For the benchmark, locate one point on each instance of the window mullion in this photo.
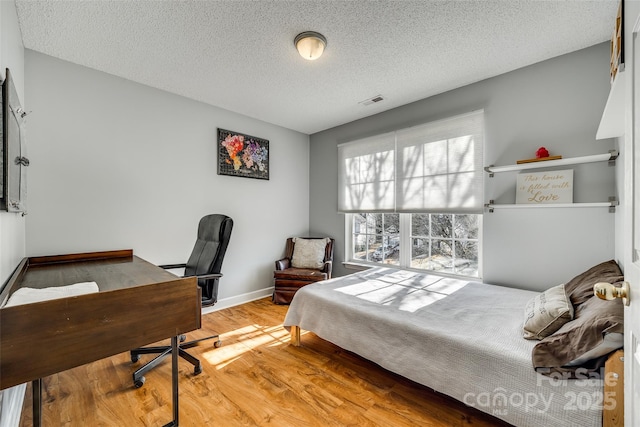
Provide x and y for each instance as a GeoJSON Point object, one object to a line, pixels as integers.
{"type": "Point", "coordinates": [453, 242]}
{"type": "Point", "coordinates": [348, 236]}
{"type": "Point", "coordinates": [405, 240]}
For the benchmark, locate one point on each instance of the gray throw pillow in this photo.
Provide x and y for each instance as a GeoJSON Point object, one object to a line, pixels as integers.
{"type": "Point", "coordinates": [546, 313]}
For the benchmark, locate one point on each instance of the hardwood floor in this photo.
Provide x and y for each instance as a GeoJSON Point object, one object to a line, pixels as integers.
{"type": "Point", "coordinates": [256, 378]}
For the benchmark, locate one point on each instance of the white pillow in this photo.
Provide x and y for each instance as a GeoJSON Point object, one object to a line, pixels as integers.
{"type": "Point", "coordinates": [308, 253]}
{"type": "Point", "coordinates": [546, 313]}
{"type": "Point", "coordinates": [31, 295]}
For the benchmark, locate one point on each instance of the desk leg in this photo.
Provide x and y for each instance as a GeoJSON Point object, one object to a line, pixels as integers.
{"type": "Point", "coordinates": [36, 389]}
{"type": "Point", "coordinates": [174, 381]}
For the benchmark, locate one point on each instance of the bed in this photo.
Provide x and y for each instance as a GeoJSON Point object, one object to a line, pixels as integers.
{"type": "Point", "coordinates": [461, 338]}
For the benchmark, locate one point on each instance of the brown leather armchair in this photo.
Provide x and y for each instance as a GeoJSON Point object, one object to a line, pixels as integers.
{"type": "Point", "coordinates": [289, 276]}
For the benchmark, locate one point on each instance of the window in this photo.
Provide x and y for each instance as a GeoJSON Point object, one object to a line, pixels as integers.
{"type": "Point", "coordinates": [376, 238]}
{"type": "Point", "coordinates": [444, 243]}
{"type": "Point", "coordinates": [414, 197]}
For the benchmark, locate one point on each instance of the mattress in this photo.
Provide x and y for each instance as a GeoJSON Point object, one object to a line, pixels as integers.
{"type": "Point", "coordinates": [461, 338]}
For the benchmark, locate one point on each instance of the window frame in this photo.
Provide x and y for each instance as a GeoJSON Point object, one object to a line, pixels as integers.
{"type": "Point", "coordinates": [405, 237]}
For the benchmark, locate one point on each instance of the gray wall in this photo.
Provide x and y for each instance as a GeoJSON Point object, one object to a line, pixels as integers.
{"type": "Point", "coordinates": [116, 164]}
{"type": "Point", "coordinates": [556, 103]}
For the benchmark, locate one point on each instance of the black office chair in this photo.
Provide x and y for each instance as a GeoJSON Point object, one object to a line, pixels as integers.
{"type": "Point", "coordinates": [205, 263]}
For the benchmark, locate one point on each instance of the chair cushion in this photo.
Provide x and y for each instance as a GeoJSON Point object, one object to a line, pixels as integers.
{"type": "Point", "coordinates": [308, 253]}
{"type": "Point", "coordinates": [300, 274]}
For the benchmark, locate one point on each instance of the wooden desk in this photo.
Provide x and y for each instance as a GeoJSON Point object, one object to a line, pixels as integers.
{"type": "Point", "coordinates": [138, 303]}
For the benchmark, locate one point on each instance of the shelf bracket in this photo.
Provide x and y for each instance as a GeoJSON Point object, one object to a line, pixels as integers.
{"type": "Point", "coordinates": [614, 202]}
{"type": "Point", "coordinates": [488, 170]}
{"type": "Point", "coordinates": [489, 206]}
{"type": "Point", "coordinates": [614, 156]}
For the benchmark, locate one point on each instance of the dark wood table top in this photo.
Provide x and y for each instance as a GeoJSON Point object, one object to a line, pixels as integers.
{"type": "Point", "coordinates": [138, 303]}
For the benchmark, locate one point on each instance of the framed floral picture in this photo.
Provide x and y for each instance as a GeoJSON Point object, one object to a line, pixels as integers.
{"type": "Point", "coordinates": [242, 155]}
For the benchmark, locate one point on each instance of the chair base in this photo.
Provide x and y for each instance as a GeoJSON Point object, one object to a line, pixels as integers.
{"type": "Point", "coordinates": [164, 351]}
{"type": "Point", "coordinates": [288, 282]}
{"type": "Point", "coordinates": [283, 295]}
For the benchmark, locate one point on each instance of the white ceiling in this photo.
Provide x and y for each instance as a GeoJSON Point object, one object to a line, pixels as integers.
{"type": "Point", "coordinates": [239, 55]}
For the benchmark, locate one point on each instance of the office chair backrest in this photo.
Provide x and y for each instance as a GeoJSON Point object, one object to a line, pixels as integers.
{"type": "Point", "coordinates": [214, 233]}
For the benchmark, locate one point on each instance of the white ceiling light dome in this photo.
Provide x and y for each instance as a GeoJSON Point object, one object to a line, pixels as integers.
{"type": "Point", "coordinates": [310, 45]}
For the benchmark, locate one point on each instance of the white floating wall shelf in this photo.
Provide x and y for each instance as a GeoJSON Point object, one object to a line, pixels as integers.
{"type": "Point", "coordinates": [611, 204]}
{"type": "Point", "coordinates": [611, 156]}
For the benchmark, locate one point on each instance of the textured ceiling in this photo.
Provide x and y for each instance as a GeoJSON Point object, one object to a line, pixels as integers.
{"type": "Point", "coordinates": [239, 55]}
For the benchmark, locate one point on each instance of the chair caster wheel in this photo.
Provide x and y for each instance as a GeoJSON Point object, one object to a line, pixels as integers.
{"type": "Point", "coordinates": [135, 358]}
{"type": "Point", "coordinates": [197, 370]}
{"type": "Point", "coordinates": [217, 344]}
{"type": "Point", "coordinates": [139, 383]}
{"type": "Point", "coordinates": [183, 338]}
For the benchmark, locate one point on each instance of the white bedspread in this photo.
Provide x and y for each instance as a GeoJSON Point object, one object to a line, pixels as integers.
{"type": "Point", "coordinates": [461, 338]}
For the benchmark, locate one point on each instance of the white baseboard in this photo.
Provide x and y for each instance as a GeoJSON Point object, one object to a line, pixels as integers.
{"type": "Point", "coordinates": [11, 405]}
{"type": "Point", "coordinates": [239, 299]}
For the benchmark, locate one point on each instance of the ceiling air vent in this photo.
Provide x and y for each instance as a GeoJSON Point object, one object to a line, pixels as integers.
{"type": "Point", "coordinates": [373, 100]}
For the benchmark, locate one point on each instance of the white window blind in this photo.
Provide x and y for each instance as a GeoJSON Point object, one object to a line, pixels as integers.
{"type": "Point", "coordinates": [434, 167]}
{"type": "Point", "coordinates": [439, 166]}
{"type": "Point", "coordinates": [366, 175]}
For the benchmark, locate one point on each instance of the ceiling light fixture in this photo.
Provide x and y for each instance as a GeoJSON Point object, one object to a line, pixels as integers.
{"type": "Point", "coordinates": [310, 44]}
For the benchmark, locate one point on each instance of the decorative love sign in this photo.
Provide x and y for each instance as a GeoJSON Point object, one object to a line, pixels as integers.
{"type": "Point", "coordinates": [545, 187]}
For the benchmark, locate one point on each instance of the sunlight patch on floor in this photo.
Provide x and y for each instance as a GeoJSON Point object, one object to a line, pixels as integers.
{"type": "Point", "coordinates": [240, 341]}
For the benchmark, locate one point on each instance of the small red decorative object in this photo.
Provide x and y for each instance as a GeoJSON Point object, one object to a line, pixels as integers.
{"type": "Point", "coordinates": [542, 152]}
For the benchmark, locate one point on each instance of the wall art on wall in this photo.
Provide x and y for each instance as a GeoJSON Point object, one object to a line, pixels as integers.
{"type": "Point", "coordinates": [617, 44]}
{"type": "Point", "coordinates": [545, 187]}
{"type": "Point", "coordinates": [242, 155]}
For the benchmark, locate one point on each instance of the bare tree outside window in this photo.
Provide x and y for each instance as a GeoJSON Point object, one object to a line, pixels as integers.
{"type": "Point", "coordinates": [446, 243]}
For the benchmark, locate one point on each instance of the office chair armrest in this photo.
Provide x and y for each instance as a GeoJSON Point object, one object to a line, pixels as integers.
{"type": "Point", "coordinates": [172, 266]}
{"type": "Point", "coordinates": [208, 276]}
{"type": "Point", "coordinates": [202, 276]}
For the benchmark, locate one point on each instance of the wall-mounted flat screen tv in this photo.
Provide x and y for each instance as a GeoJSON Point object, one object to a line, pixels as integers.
{"type": "Point", "coordinates": [13, 185]}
